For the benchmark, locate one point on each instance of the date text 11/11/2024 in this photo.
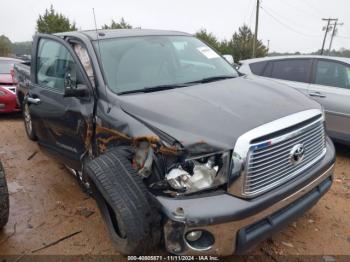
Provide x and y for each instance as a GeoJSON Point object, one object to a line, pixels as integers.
{"type": "Point", "coordinates": [173, 258]}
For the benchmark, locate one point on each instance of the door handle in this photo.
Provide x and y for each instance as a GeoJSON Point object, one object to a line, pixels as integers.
{"type": "Point", "coordinates": [32, 100]}
{"type": "Point", "coordinates": [317, 94]}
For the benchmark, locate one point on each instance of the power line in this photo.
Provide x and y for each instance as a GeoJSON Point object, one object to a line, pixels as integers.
{"type": "Point", "coordinates": [302, 10]}
{"type": "Point", "coordinates": [314, 8]}
{"type": "Point", "coordinates": [286, 25]}
{"type": "Point", "coordinates": [286, 21]}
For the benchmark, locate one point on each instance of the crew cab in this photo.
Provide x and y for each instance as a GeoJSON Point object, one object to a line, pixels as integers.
{"type": "Point", "coordinates": [173, 144]}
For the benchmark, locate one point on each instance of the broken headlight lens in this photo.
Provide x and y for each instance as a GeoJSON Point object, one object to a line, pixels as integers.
{"type": "Point", "coordinates": [199, 173]}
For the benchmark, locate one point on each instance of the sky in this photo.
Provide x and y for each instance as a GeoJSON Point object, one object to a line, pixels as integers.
{"type": "Point", "coordinates": [288, 25]}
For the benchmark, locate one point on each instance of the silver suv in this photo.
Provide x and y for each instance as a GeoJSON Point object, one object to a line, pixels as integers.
{"type": "Point", "coordinates": [325, 79]}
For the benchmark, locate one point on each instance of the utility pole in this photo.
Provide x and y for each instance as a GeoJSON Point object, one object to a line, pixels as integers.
{"type": "Point", "coordinates": [256, 27]}
{"type": "Point", "coordinates": [333, 34]}
{"type": "Point", "coordinates": [326, 31]}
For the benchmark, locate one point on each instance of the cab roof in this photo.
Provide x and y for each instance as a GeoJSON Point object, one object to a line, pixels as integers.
{"type": "Point", "coordinates": [114, 33]}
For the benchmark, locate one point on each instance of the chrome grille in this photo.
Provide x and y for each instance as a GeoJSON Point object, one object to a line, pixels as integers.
{"type": "Point", "coordinates": [269, 162]}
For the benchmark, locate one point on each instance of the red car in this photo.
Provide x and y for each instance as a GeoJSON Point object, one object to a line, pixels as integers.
{"type": "Point", "coordinates": [8, 101]}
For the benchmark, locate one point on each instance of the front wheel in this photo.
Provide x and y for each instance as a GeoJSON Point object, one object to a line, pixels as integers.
{"type": "Point", "coordinates": [28, 124]}
{"type": "Point", "coordinates": [133, 222]}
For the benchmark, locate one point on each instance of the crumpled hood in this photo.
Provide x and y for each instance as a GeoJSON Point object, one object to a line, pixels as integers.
{"type": "Point", "coordinates": [216, 114]}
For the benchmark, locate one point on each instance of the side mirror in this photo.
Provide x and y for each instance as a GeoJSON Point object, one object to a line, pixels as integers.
{"type": "Point", "coordinates": [79, 91]}
{"type": "Point", "coordinates": [73, 89]}
{"type": "Point", "coordinates": [229, 58]}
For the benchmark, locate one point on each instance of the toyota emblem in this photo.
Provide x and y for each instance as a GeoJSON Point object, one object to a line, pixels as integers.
{"type": "Point", "coordinates": [297, 154]}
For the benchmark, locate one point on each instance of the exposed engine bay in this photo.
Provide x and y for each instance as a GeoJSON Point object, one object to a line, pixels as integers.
{"type": "Point", "coordinates": [179, 174]}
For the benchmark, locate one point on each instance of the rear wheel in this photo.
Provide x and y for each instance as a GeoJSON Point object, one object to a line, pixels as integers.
{"type": "Point", "coordinates": [4, 198]}
{"type": "Point", "coordinates": [28, 124]}
{"type": "Point", "coordinates": [131, 218]}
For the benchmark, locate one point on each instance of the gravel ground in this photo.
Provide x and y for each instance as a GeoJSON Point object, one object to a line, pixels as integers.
{"type": "Point", "coordinates": [46, 204]}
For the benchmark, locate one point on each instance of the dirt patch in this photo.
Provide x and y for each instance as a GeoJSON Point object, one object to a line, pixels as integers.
{"type": "Point", "coordinates": [47, 205]}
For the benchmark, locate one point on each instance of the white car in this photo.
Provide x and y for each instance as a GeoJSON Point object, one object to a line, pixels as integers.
{"type": "Point", "coordinates": [326, 79]}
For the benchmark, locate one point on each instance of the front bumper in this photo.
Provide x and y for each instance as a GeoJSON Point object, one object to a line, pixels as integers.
{"type": "Point", "coordinates": [237, 224]}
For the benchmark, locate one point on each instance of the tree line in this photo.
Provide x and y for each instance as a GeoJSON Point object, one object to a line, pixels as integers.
{"type": "Point", "coordinates": [239, 45]}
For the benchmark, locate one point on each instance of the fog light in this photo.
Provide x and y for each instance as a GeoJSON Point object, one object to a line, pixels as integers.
{"type": "Point", "coordinates": [193, 235]}
{"type": "Point", "coordinates": [199, 239]}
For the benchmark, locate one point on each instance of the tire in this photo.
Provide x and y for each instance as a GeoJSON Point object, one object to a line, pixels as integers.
{"type": "Point", "coordinates": [28, 124]}
{"type": "Point", "coordinates": [4, 198]}
{"type": "Point", "coordinates": [133, 221]}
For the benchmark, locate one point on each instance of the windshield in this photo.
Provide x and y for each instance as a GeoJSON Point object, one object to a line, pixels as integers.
{"type": "Point", "coordinates": [136, 63]}
{"type": "Point", "coordinates": [6, 66]}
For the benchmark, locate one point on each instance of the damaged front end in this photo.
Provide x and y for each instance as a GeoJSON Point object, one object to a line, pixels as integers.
{"type": "Point", "coordinates": [166, 165]}
{"type": "Point", "coordinates": [171, 169]}
{"type": "Point", "coordinates": [176, 172]}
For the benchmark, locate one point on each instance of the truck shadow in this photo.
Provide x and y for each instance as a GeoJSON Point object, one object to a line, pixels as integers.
{"type": "Point", "coordinates": [342, 150]}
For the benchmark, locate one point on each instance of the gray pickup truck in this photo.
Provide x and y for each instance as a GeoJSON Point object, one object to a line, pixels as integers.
{"type": "Point", "coordinates": [175, 146]}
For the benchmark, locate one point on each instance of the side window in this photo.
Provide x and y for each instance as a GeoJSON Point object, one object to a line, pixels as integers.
{"type": "Point", "coordinates": [268, 69]}
{"type": "Point", "coordinates": [258, 67]}
{"type": "Point", "coordinates": [292, 69]}
{"type": "Point", "coordinates": [330, 73]}
{"type": "Point", "coordinates": [55, 65]}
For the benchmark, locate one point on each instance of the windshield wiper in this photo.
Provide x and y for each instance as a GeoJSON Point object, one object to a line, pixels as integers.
{"type": "Point", "coordinates": [154, 88]}
{"type": "Point", "coordinates": [211, 79]}
{"type": "Point", "coordinates": [172, 86]}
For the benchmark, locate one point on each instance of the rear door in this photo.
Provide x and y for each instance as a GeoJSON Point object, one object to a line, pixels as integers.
{"type": "Point", "coordinates": [62, 124]}
{"type": "Point", "coordinates": [294, 72]}
{"type": "Point", "coordinates": [331, 88]}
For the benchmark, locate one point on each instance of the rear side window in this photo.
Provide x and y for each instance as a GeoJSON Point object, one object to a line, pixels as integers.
{"type": "Point", "coordinates": [292, 69]}
{"type": "Point", "coordinates": [330, 73]}
{"type": "Point", "coordinates": [54, 65]}
{"type": "Point", "coordinates": [258, 67]}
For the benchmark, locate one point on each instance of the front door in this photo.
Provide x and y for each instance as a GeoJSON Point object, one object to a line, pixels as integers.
{"type": "Point", "coordinates": [331, 88]}
{"type": "Point", "coordinates": [61, 124]}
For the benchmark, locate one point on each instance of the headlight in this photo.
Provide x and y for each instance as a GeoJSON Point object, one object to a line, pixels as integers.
{"type": "Point", "coordinates": [237, 165]}
{"type": "Point", "coordinates": [2, 93]}
{"type": "Point", "coordinates": [199, 173]}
